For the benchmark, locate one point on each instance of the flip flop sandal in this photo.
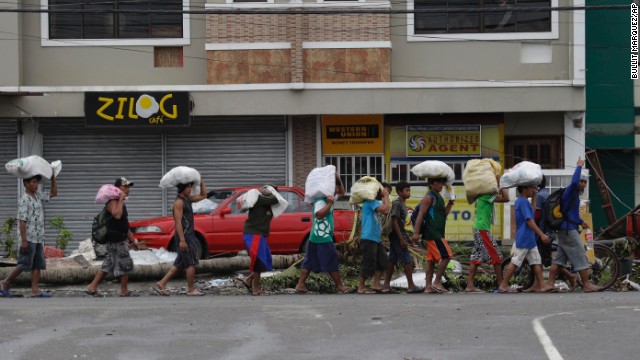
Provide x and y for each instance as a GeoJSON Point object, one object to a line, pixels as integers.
{"type": "Point", "coordinates": [415, 291]}
{"type": "Point", "coordinates": [91, 293]}
{"type": "Point", "coordinates": [128, 294]}
{"type": "Point", "coordinates": [160, 292]}
{"type": "Point", "coordinates": [247, 286]}
{"type": "Point", "coordinates": [348, 290]}
{"type": "Point", "coordinates": [42, 295]}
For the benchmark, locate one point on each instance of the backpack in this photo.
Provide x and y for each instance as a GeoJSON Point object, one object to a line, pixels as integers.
{"type": "Point", "coordinates": [100, 226]}
{"type": "Point", "coordinates": [553, 214]}
{"type": "Point", "coordinates": [414, 215]}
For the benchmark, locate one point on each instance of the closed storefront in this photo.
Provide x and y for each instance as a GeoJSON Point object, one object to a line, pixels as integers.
{"type": "Point", "coordinates": [227, 152]}
{"type": "Point", "coordinates": [8, 183]}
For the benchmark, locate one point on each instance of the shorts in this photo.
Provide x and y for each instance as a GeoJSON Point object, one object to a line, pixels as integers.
{"type": "Point", "coordinates": [485, 248]}
{"type": "Point", "coordinates": [438, 250]}
{"type": "Point", "coordinates": [397, 254]}
{"type": "Point", "coordinates": [187, 258]}
{"type": "Point", "coordinates": [531, 255]}
{"type": "Point", "coordinates": [118, 260]}
{"type": "Point", "coordinates": [374, 258]}
{"type": "Point", "coordinates": [32, 258]}
{"type": "Point", "coordinates": [571, 249]}
{"type": "Point", "coordinates": [259, 252]}
{"type": "Point", "coordinates": [321, 257]}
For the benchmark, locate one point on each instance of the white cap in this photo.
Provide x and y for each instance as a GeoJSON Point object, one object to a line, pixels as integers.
{"type": "Point", "coordinates": [584, 175]}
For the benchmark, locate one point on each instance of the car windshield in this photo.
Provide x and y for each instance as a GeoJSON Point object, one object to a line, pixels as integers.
{"type": "Point", "coordinates": [218, 196]}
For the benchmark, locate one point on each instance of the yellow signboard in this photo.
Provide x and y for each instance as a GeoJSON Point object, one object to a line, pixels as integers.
{"type": "Point", "coordinates": [443, 140]}
{"type": "Point", "coordinates": [352, 134]}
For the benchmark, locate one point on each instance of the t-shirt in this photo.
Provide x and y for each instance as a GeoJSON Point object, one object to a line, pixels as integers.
{"type": "Point", "coordinates": [31, 211]}
{"type": "Point", "coordinates": [371, 228]}
{"type": "Point", "coordinates": [322, 230]}
{"type": "Point", "coordinates": [484, 212]}
{"type": "Point", "coordinates": [259, 220]}
{"type": "Point", "coordinates": [525, 236]}
{"type": "Point", "coordinates": [398, 211]}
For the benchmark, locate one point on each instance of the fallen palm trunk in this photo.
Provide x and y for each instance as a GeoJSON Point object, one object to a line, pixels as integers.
{"type": "Point", "coordinates": [80, 275]}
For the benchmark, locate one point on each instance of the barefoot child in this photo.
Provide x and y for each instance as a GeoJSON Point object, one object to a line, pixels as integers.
{"type": "Point", "coordinates": [321, 255]}
{"type": "Point", "coordinates": [374, 258]}
{"type": "Point", "coordinates": [526, 248]}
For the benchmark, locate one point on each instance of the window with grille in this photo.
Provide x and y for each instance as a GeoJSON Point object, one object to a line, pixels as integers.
{"type": "Point", "coordinates": [351, 168]}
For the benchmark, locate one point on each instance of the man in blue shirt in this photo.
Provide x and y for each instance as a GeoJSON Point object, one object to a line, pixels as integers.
{"type": "Point", "coordinates": [526, 247]}
{"type": "Point", "coordinates": [374, 257]}
{"type": "Point", "coordinates": [570, 246]}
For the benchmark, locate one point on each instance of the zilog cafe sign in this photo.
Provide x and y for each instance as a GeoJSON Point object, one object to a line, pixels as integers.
{"type": "Point", "coordinates": [137, 109]}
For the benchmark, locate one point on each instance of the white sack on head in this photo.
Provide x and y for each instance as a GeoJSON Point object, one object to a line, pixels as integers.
{"type": "Point", "coordinates": [479, 178]}
{"type": "Point", "coordinates": [31, 166]}
{"type": "Point", "coordinates": [525, 173]}
{"type": "Point", "coordinates": [107, 192]}
{"type": "Point", "coordinates": [181, 175]}
{"type": "Point", "coordinates": [434, 169]}
{"type": "Point", "coordinates": [321, 182]}
{"type": "Point", "coordinates": [366, 188]}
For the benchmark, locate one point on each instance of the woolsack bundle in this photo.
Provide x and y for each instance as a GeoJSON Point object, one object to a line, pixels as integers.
{"type": "Point", "coordinates": [366, 188]}
{"type": "Point", "coordinates": [107, 192]}
{"type": "Point", "coordinates": [479, 178]}
{"type": "Point", "coordinates": [181, 175]}
{"type": "Point", "coordinates": [434, 169]}
{"type": "Point", "coordinates": [525, 173]}
{"type": "Point", "coordinates": [31, 166]}
{"type": "Point", "coordinates": [320, 182]}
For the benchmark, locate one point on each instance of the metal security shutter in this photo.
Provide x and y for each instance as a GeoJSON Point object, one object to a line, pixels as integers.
{"type": "Point", "coordinates": [8, 183]}
{"type": "Point", "coordinates": [94, 157]}
{"type": "Point", "coordinates": [231, 151]}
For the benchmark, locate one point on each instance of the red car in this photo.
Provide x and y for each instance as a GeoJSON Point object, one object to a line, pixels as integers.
{"type": "Point", "coordinates": [220, 223]}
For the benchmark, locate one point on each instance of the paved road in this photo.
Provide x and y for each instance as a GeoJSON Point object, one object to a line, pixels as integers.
{"type": "Point", "coordinates": [456, 326]}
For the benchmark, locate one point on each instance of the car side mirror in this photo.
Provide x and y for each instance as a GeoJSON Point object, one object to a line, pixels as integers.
{"type": "Point", "coordinates": [225, 211]}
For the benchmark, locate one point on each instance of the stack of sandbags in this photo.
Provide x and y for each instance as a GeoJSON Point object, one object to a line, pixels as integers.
{"type": "Point", "coordinates": [366, 188]}
{"type": "Point", "coordinates": [181, 175]}
{"type": "Point", "coordinates": [107, 192]}
{"type": "Point", "coordinates": [479, 178]}
{"type": "Point", "coordinates": [321, 182]}
{"type": "Point", "coordinates": [434, 169]}
{"type": "Point", "coordinates": [525, 173]}
{"type": "Point", "coordinates": [33, 165]}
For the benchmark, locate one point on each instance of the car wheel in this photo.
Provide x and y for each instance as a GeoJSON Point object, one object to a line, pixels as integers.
{"type": "Point", "coordinates": [202, 247]}
{"type": "Point", "coordinates": [304, 245]}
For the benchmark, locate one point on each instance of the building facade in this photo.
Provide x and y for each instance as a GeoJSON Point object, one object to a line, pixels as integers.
{"type": "Point", "coordinates": [262, 92]}
{"type": "Point", "coordinates": [612, 109]}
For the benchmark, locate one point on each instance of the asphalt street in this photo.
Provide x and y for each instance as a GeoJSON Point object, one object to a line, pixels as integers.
{"type": "Point", "coordinates": [454, 326]}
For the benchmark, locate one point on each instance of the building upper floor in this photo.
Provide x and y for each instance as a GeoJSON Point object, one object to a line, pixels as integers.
{"type": "Point", "coordinates": [249, 44]}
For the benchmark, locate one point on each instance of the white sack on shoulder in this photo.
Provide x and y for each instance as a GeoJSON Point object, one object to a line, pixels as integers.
{"type": "Point", "coordinates": [31, 166]}
{"type": "Point", "coordinates": [434, 169]}
{"type": "Point", "coordinates": [107, 192]}
{"type": "Point", "coordinates": [366, 188]}
{"type": "Point", "coordinates": [525, 173]}
{"type": "Point", "coordinates": [479, 178]}
{"type": "Point", "coordinates": [247, 200]}
{"type": "Point", "coordinates": [181, 175]}
{"type": "Point", "coordinates": [321, 182]}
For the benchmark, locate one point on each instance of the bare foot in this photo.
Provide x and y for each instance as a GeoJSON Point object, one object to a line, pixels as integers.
{"type": "Point", "coordinates": [195, 292]}
{"type": "Point", "coordinates": [430, 290]}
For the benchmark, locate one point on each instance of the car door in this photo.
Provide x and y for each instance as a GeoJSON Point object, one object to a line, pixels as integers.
{"type": "Point", "coordinates": [227, 228]}
{"type": "Point", "coordinates": [289, 230]}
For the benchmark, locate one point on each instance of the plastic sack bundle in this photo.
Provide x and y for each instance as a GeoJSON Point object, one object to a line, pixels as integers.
{"type": "Point", "coordinates": [204, 206]}
{"type": "Point", "coordinates": [181, 175]}
{"type": "Point", "coordinates": [366, 188]}
{"type": "Point", "coordinates": [247, 200]}
{"type": "Point", "coordinates": [31, 166]}
{"type": "Point", "coordinates": [479, 178]}
{"type": "Point", "coordinates": [320, 182]}
{"type": "Point", "coordinates": [434, 169]}
{"type": "Point", "coordinates": [525, 173]}
{"type": "Point", "coordinates": [107, 192]}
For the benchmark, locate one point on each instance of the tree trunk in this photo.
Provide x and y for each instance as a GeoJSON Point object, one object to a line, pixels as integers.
{"type": "Point", "coordinates": [81, 275]}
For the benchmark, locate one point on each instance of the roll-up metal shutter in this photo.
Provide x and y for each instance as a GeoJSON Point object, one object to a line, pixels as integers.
{"type": "Point", "coordinates": [94, 157]}
{"type": "Point", "coordinates": [231, 151]}
{"type": "Point", "coordinates": [8, 182]}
